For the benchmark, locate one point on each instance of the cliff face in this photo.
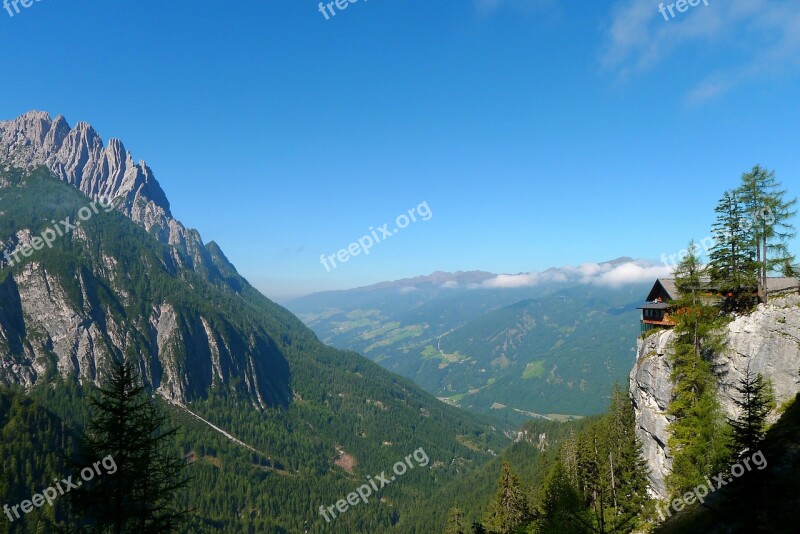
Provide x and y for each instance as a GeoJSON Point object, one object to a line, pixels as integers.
{"type": "Point", "coordinates": [768, 340]}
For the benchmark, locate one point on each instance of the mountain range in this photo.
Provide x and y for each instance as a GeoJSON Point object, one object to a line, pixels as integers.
{"type": "Point", "coordinates": [516, 346]}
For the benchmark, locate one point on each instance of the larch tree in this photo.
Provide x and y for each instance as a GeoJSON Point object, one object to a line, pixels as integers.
{"type": "Point", "coordinates": [769, 225]}
{"type": "Point", "coordinates": [699, 436]}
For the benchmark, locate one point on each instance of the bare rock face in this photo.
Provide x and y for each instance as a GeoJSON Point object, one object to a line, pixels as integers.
{"type": "Point", "coordinates": [52, 323]}
{"type": "Point", "coordinates": [768, 341]}
{"type": "Point", "coordinates": [79, 157]}
{"type": "Point", "coordinates": [651, 390]}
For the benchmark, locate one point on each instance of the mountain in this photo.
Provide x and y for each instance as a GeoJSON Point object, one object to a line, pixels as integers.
{"type": "Point", "coordinates": [274, 422]}
{"type": "Point", "coordinates": [509, 345]}
{"type": "Point", "coordinates": [558, 354]}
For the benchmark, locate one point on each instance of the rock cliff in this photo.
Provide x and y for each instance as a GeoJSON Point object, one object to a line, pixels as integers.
{"type": "Point", "coordinates": [768, 340]}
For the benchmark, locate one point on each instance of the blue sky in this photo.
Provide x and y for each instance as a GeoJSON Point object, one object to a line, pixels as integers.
{"type": "Point", "coordinates": [539, 133]}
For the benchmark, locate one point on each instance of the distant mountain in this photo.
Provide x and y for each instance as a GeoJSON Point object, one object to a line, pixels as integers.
{"type": "Point", "coordinates": [513, 345]}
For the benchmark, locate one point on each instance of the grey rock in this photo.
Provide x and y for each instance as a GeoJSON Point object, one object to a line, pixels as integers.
{"type": "Point", "coordinates": [79, 157]}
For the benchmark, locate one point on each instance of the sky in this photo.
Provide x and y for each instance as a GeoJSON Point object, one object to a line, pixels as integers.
{"type": "Point", "coordinates": [529, 133]}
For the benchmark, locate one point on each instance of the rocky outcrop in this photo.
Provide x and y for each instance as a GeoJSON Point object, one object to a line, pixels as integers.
{"type": "Point", "coordinates": [181, 353]}
{"type": "Point", "coordinates": [79, 157]}
{"type": "Point", "coordinates": [768, 341]}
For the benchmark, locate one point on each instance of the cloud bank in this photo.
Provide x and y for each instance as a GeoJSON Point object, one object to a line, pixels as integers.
{"type": "Point", "coordinates": [601, 274]}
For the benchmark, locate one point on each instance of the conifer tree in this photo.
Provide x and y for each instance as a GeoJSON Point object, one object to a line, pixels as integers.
{"type": "Point", "coordinates": [731, 264]}
{"type": "Point", "coordinates": [510, 508]}
{"type": "Point", "coordinates": [763, 200]}
{"type": "Point", "coordinates": [455, 522]}
{"type": "Point", "coordinates": [756, 400]}
{"type": "Point", "coordinates": [699, 436]}
{"type": "Point", "coordinates": [627, 464]}
{"type": "Point", "coordinates": [560, 504]}
{"type": "Point", "coordinates": [127, 427]}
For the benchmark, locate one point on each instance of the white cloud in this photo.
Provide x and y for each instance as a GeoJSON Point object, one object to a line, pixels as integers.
{"type": "Point", "coordinates": [758, 38]}
{"type": "Point", "coordinates": [601, 274]}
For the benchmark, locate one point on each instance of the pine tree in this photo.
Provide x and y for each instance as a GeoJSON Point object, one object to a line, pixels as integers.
{"type": "Point", "coordinates": [455, 522]}
{"type": "Point", "coordinates": [128, 428]}
{"type": "Point", "coordinates": [770, 229]}
{"type": "Point", "coordinates": [731, 265]}
{"type": "Point", "coordinates": [510, 508]}
{"type": "Point", "coordinates": [755, 403]}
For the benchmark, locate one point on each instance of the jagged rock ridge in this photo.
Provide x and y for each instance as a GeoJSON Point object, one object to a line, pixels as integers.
{"type": "Point", "coordinates": [79, 157]}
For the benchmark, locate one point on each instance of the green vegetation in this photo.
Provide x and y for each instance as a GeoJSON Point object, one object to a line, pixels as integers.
{"type": "Point", "coordinates": [35, 447]}
{"type": "Point", "coordinates": [699, 437]}
{"type": "Point", "coordinates": [583, 491]}
{"type": "Point", "coordinates": [751, 234]}
{"type": "Point", "coordinates": [465, 339]}
{"type": "Point", "coordinates": [731, 264]}
{"type": "Point", "coordinates": [533, 370]}
{"type": "Point", "coordinates": [318, 402]}
{"type": "Point", "coordinates": [756, 401]}
{"type": "Point", "coordinates": [510, 507]}
{"type": "Point", "coordinates": [314, 401]}
{"type": "Point", "coordinates": [129, 432]}
{"type": "Point", "coordinates": [751, 229]}
{"type": "Point", "coordinates": [595, 481]}
{"type": "Point", "coordinates": [765, 500]}
{"type": "Point", "coordinates": [763, 198]}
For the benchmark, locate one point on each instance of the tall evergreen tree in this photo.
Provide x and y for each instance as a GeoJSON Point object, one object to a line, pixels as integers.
{"type": "Point", "coordinates": [696, 316]}
{"type": "Point", "coordinates": [756, 400]}
{"type": "Point", "coordinates": [598, 483]}
{"type": "Point", "coordinates": [510, 507]}
{"type": "Point", "coordinates": [698, 434]}
{"type": "Point", "coordinates": [731, 265]}
{"type": "Point", "coordinates": [455, 522]}
{"type": "Point", "coordinates": [560, 505]}
{"type": "Point", "coordinates": [127, 427]}
{"type": "Point", "coordinates": [627, 464]}
{"type": "Point", "coordinates": [770, 230]}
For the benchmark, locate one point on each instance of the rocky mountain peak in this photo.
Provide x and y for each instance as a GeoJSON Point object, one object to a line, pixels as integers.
{"type": "Point", "coordinates": [79, 157]}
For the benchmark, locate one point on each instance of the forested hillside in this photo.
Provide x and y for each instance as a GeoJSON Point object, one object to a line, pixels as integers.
{"type": "Point", "coordinates": [321, 419]}
{"type": "Point", "coordinates": [555, 348]}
